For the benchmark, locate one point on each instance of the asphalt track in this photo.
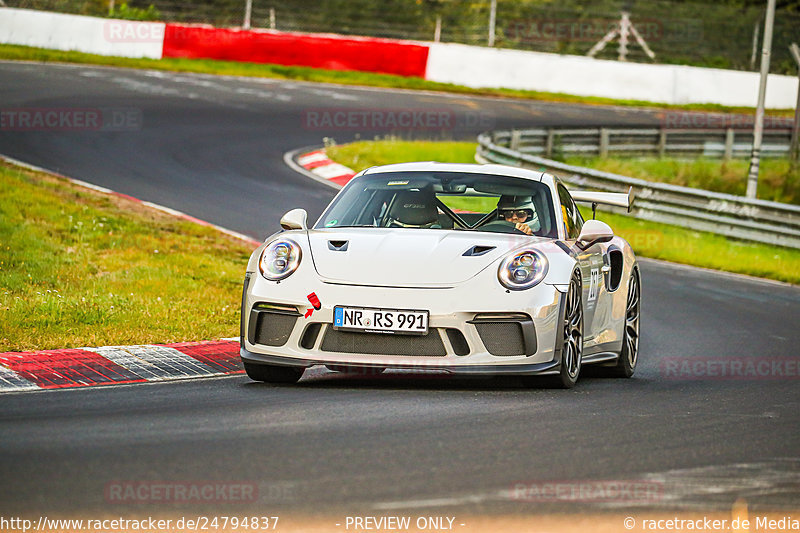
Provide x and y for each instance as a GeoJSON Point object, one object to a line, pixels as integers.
{"type": "Point", "coordinates": [213, 148]}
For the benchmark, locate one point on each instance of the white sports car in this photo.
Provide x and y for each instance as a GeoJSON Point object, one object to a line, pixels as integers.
{"type": "Point", "coordinates": [465, 269]}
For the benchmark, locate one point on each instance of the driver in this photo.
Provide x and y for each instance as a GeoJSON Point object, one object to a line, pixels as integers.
{"type": "Point", "coordinates": [519, 211]}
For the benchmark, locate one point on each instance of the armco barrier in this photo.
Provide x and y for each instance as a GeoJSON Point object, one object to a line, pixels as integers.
{"type": "Point", "coordinates": [723, 214]}
{"type": "Point", "coordinates": [321, 51]}
{"type": "Point", "coordinates": [726, 143]}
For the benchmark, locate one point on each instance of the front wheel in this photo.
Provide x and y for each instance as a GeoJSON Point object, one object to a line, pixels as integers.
{"type": "Point", "coordinates": [629, 355]}
{"type": "Point", "coordinates": [272, 373]}
{"type": "Point", "coordinates": [571, 335]}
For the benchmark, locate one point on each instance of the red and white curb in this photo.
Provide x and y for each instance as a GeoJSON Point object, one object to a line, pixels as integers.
{"type": "Point", "coordinates": [318, 163]}
{"type": "Point", "coordinates": [117, 365]}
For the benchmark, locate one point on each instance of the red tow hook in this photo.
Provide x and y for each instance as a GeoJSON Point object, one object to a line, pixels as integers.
{"type": "Point", "coordinates": [314, 302]}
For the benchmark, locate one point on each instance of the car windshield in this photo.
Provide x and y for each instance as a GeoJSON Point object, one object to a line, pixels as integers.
{"type": "Point", "coordinates": [443, 200]}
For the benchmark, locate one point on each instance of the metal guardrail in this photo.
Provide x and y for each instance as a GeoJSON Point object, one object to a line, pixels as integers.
{"type": "Point", "coordinates": [724, 214]}
{"type": "Point", "coordinates": [726, 143]}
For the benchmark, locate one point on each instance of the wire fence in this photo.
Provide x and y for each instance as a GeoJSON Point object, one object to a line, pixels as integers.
{"type": "Point", "coordinates": [704, 34]}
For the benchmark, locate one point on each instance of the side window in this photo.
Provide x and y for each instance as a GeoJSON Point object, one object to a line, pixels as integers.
{"type": "Point", "coordinates": [573, 221]}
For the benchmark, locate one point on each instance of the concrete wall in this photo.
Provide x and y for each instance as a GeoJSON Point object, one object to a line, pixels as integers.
{"type": "Point", "coordinates": [83, 34]}
{"type": "Point", "coordinates": [476, 66]}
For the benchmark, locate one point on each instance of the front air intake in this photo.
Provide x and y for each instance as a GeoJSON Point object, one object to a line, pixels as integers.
{"type": "Point", "coordinates": [506, 334]}
{"type": "Point", "coordinates": [383, 343]}
{"type": "Point", "coordinates": [271, 325]}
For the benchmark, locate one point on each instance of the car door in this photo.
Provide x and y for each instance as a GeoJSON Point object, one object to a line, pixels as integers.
{"type": "Point", "coordinates": [591, 265]}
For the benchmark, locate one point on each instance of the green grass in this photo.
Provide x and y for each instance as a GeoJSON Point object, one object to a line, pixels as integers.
{"type": "Point", "coordinates": [777, 181]}
{"type": "Point", "coordinates": [80, 268]}
{"type": "Point", "coordinates": [234, 68]}
{"type": "Point", "coordinates": [649, 239]}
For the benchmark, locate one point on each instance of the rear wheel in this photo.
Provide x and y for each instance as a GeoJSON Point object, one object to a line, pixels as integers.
{"type": "Point", "coordinates": [571, 339]}
{"type": "Point", "coordinates": [272, 373]}
{"type": "Point", "coordinates": [628, 357]}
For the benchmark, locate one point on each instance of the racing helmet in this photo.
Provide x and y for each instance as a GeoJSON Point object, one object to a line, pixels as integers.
{"type": "Point", "coordinates": [515, 203]}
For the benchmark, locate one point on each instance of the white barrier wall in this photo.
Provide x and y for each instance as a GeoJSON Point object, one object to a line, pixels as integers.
{"type": "Point", "coordinates": [92, 35]}
{"type": "Point", "coordinates": [473, 66]}
{"type": "Point", "coordinates": [478, 67]}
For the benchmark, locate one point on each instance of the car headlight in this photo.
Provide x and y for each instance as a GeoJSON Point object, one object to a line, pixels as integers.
{"type": "Point", "coordinates": [522, 270]}
{"type": "Point", "coordinates": [280, 259]}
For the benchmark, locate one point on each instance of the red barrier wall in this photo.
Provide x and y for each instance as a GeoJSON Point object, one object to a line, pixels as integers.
{"type": "Point", "coordinates": [311, 50]}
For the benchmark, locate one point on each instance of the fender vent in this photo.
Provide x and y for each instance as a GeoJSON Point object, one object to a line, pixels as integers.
{"type": "Point", "coordinates": [478, 250]}
{"type": "Point", "coordinates": [615, 276]}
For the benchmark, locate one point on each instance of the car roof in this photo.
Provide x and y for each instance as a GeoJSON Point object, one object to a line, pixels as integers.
{"type": "Point", "coordinates": [433, 166]}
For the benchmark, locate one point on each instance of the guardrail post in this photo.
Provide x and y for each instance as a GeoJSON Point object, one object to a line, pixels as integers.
{"type": "Point", "coordinates": [662, 142]}
{"type": "Point", "coordinates": [515, 138]}
{"type": "Point", "coordinates": [728, 144]}
{"type": "Point", "coordinates": [548, 147]}
{"type": "Point", "coordinates": [603, 142]}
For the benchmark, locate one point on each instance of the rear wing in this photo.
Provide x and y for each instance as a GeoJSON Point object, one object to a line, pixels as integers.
{"type": "Point", "coordinates": [619, 199]}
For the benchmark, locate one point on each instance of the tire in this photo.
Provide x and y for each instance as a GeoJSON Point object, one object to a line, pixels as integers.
{"type": "Point", "coordinates": [571, 335]}
{"type": "Point", "coordinates": [272, 373]}
{"type": "Point", "coordinates": [629, 355]}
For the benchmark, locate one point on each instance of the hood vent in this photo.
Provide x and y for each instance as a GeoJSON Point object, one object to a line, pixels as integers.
{"type": "Point", "coordinates": [478, 250]}
{"type": "Point", "coordinates": [338, 246]}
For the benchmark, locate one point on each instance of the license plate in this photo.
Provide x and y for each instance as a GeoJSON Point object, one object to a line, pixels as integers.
{"type": "Point", "coordinates": [381, 320]}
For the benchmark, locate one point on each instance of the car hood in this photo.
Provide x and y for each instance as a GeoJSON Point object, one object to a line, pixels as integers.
{"type": "Point", "coordinates": [407, 257]}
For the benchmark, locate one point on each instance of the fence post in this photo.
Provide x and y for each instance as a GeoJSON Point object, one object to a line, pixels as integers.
{"type": "Point", "coordinates": [548, 147]}
{"type": "Point", "coordinates": [603, 148]}
{"type": "Point", "coordinates": [515, 137]}
{"type": "Point", "coordinates": [492, 21]}
{"type": "Point", "coordinates": [662, 142]}
{"type": "Point", "coordinates": [272, 24]}
{"type": "Point", "coordinates": [794, 146]}
{"type": "Point", "coordinates": [248, 9]}
{"type": "Point", "coordinates": [437, 33]}
{"type": "Point", "coordinates": [729, 134]}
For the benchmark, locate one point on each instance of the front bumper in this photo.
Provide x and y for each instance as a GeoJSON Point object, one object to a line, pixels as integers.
{"type": "Point", "coordinates": [458, 342]}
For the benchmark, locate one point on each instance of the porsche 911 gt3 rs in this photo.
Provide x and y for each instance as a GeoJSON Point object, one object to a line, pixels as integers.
{"type": "Point", "coordinates": [464, 269]}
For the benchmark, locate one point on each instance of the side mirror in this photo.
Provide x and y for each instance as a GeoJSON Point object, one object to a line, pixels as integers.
{"type": "Point", "coordinates": [295, 219]}
{"type": "Point", "coordinates": [595, 231]}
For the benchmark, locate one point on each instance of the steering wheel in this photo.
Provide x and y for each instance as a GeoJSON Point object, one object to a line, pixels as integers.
{"type": "Point", "coordinates": [501, 226]}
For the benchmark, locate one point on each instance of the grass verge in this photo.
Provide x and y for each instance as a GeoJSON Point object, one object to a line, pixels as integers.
{"type": "Point", "coordinates": [81, 268]}
{"type": "Point", "coordinates": [234, 68]}
{"type": "Point", "coordinates": [649, 239]}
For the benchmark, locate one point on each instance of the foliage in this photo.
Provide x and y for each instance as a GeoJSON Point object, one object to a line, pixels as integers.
{"type": "Point", "coordinates": [124, 11]}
